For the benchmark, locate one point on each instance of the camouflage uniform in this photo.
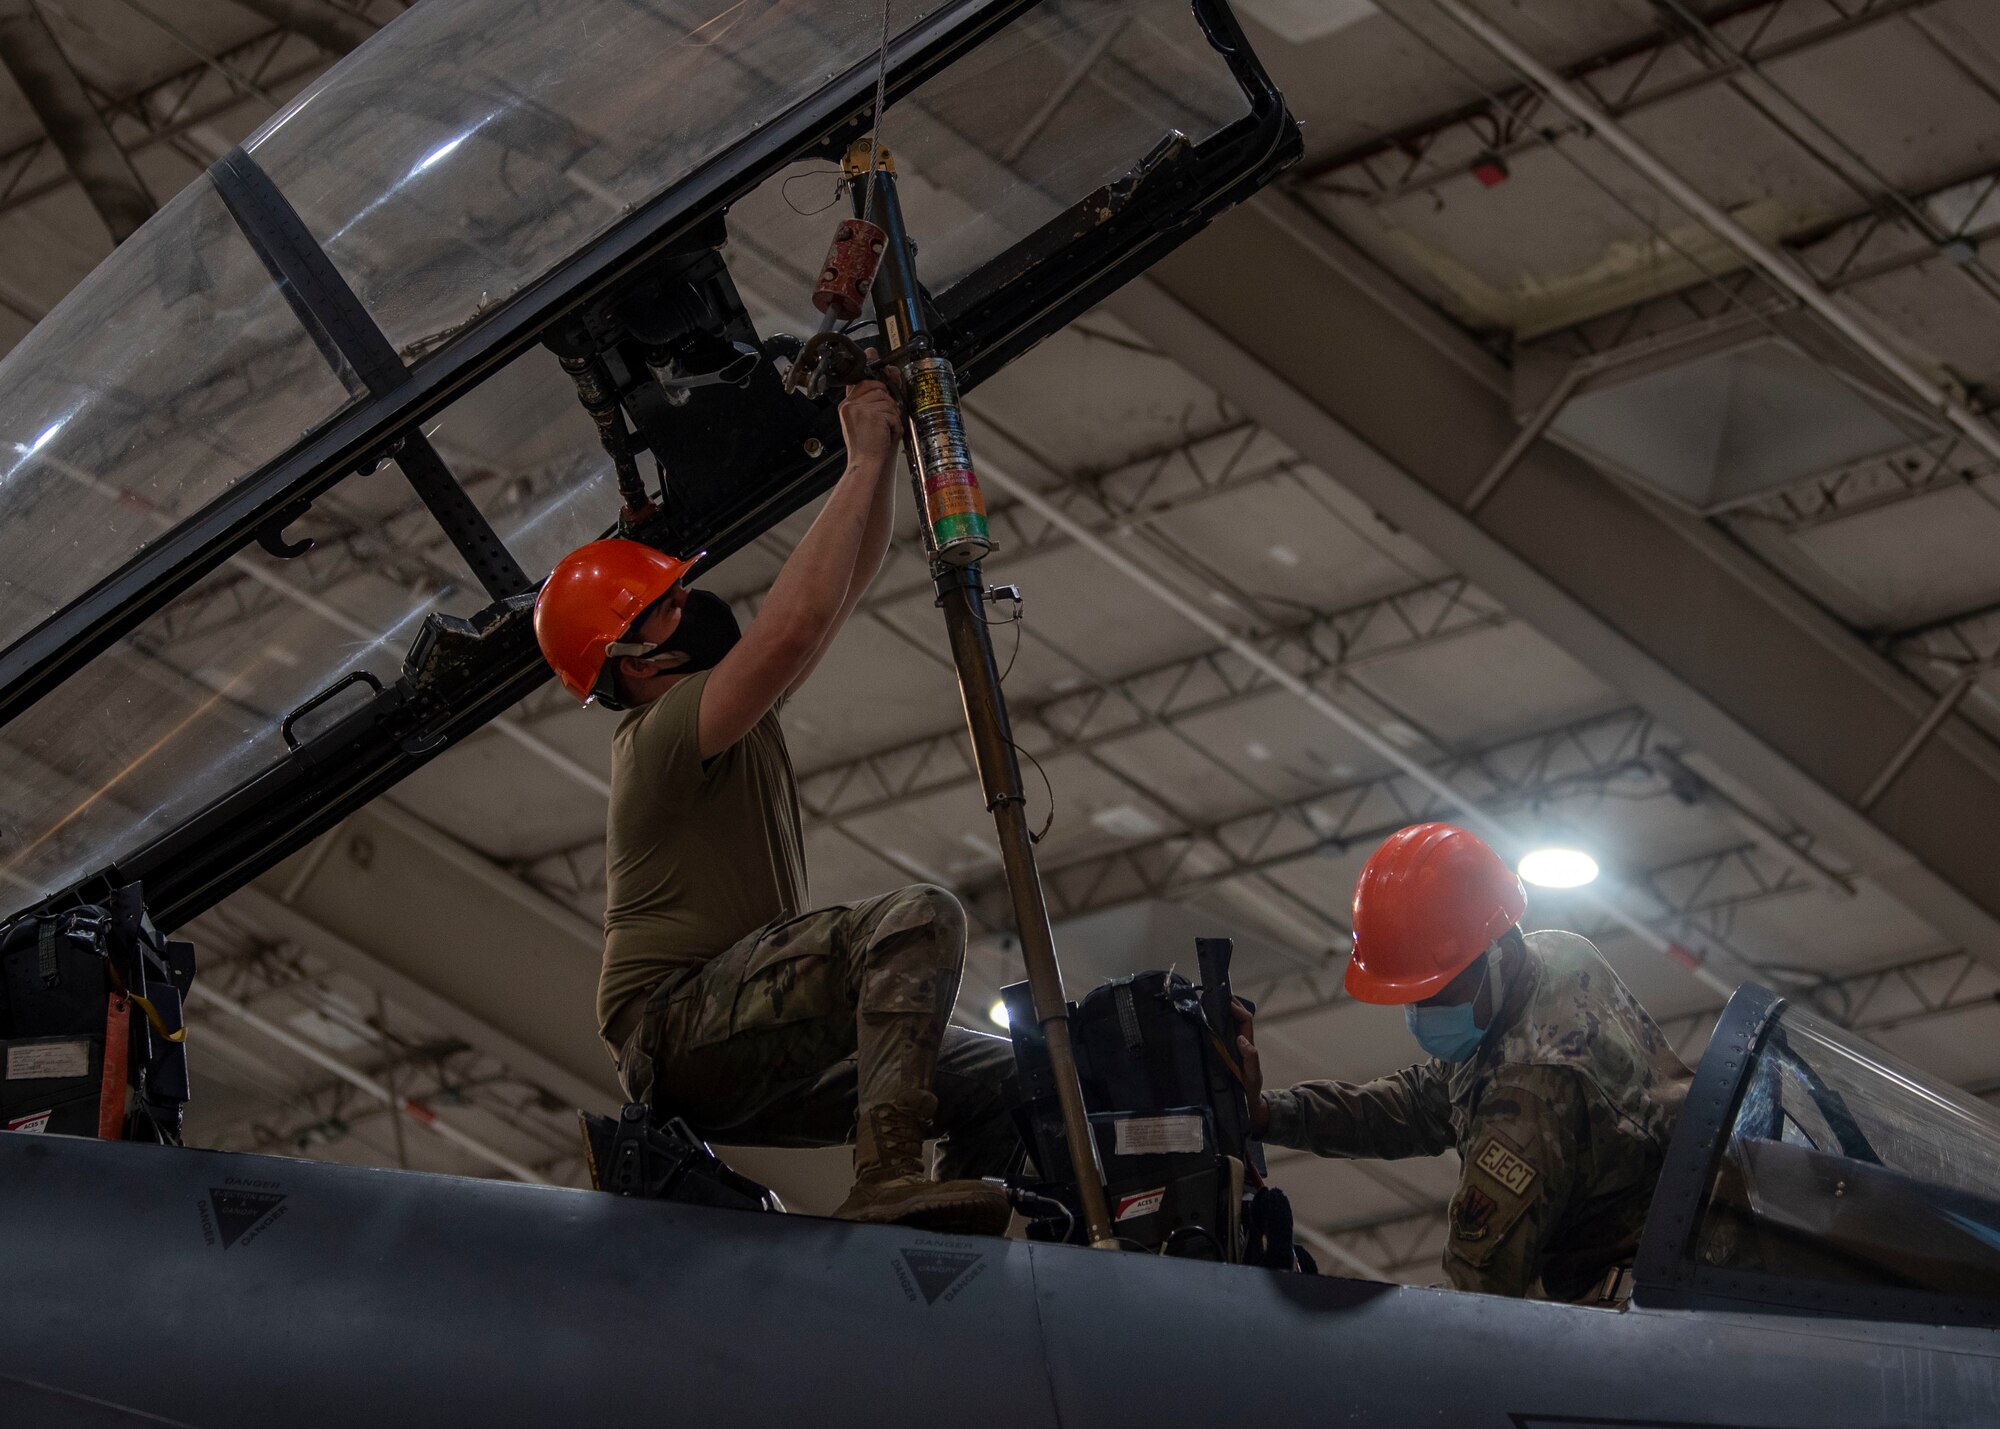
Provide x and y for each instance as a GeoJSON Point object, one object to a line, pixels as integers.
{"type": "Point", "coordinates": [778, 1040]}
{"type": "Point", "coordinates": [1560, 1119]}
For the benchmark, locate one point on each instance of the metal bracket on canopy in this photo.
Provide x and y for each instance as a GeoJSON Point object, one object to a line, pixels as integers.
{"type": "Point", "coordinates": [357, 350]}
{"type": "Point", "coordinates": [271, 535]}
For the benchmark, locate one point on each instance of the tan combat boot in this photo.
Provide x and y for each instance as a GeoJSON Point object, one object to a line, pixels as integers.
{"type": "Point", "coordinates": [890, 1186]}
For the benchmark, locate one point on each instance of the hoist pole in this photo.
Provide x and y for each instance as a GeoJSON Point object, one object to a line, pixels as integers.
{"type": "Point", "coordinates": [953, 516]}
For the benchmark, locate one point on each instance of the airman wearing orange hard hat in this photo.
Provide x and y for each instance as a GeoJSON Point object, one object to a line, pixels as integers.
{"type": "Point", "coordinates": [1555, 1088]}
{"type": "Point", "coordinates": [725, 997]}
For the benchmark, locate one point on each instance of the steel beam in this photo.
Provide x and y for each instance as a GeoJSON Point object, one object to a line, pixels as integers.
{"type": "Point", "coordinates": [422, 1070]}
{"type": "Point", "coordinates": [331, 28]}
{"type": "Point", "coordinates": [1956, 642]}
{"type": "Point", "coordinates": [460, 942]}
{"type": "Point", "coordinates": [164, 110]}
{"type": "Point", "coordinates": [1145, 488]}
{"type": "Point", "coordinates": [368, 1085]}
{"type": "Point", "coordinates": [426, 979]}
{"type": "Point", "coordinates": [1944, 465]}
{"type": "Point", "coordinates": [1583, 755]}
{"type": "Point", "coordinates": [1860, 332]}
{"type": "Point", "coordinates": [1769, 688]}
{"type": "Point", "coordinates": [1327, 646]}
{"type": "Point", "coordinates": [1624, 80]}
{"type": "Point", "coordinates": [1841, 255]}
{"type": "Point", "coordinates": [56, 95]}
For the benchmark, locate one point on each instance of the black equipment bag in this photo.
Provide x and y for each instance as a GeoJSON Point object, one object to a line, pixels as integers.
{"type": "Point", "coordinates": [1156, 1057]}
{"type": "Point", "coordinates": [53, 1009]}
{"type": "Point", "coordinates": [79, 984]}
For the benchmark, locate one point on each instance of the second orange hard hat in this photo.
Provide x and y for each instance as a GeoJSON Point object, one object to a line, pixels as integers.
{"type": "Point", "coordinates": [1431, 899]}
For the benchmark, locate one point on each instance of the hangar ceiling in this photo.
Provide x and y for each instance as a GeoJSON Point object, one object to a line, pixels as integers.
{"type": "Point", "coordinates": [1468, 426]}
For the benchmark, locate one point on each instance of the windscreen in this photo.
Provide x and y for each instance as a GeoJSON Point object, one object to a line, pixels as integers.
{"type": "Point", "coordinates": [465, 151]}
{"type": "Point", "coordinates": [1848, 1167]}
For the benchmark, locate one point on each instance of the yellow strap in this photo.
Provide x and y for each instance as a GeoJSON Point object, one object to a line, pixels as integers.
{"type": "Point", "coordinates": [146, 1006]}
{"type": "Point", "coordinates": [153, 1016]}
{"type": "Point", "coordinates": [1228, 1060]}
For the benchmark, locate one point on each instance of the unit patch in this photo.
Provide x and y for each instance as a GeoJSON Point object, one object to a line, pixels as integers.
{"type": "Point", "coordinates": [1504, 1165]}
{"type": "Point", "coordinates": [1471, 1213]}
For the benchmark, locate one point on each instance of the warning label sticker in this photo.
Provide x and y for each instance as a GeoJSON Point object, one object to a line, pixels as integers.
{"type": "Point", "coordinates": [1158, 1135]}
{"type": "Point", "coordinates": [938, 1274]}
{"type": "Point", "coordinates": [953, 493]}
{"type": "Point", "coordinates": [931, 387]}
{"type": "Point", "coordinates": [238, 1216]}
{"type": "Point", "coordinates": [1143, 1204]}
{"type": "Point", "coordinates": [33, 1121]}
{"type": "Point", "coordinates": [39, 1061]}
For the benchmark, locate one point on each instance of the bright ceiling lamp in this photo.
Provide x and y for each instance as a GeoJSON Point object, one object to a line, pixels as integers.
{"type": "Point", "coordinates": [998, 1012]}
{"type": "Point", "coordinates": [1558, 868]}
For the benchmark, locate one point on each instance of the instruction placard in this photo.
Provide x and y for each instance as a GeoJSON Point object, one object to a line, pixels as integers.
{"type": "Point", "coordinates": [1158, 1135]}
{"type": "Point", "coordinates": [41, 1061]}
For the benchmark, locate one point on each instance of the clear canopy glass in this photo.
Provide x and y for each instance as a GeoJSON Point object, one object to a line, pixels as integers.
{"type": "Point", "coordinates": [1848, 1167]}
{"type": "Point", "coordinates": [463, 153]}
{"type": "Point", "coordinates": [175, 368]}
{"type": "Point", "coordinates": [477, 143]}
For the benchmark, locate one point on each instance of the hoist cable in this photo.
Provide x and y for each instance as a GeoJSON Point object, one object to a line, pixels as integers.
{"type": "Point", "coordinates": [875, 134]}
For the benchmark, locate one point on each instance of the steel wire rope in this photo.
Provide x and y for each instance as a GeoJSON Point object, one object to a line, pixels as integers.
{"type": "Point", "coordinates": [875, 133]}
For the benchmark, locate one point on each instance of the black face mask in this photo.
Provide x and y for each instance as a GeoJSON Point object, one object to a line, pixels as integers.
{"type": "Point", "coordinates": [708, 631]}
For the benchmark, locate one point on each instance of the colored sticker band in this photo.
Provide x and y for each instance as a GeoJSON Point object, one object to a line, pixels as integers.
{"type": "Point", "coordinates": [952, 493]}
{"type": "Point", "coordinates": [961, 538]}
{"type": "Point", "coordinates": [953, 505]}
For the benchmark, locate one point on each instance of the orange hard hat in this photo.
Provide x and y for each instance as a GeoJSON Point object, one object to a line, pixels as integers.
{"type": "Point", "coordinates": [592, 597]}
{"type": "Point", "coordinates": [1430, 901]}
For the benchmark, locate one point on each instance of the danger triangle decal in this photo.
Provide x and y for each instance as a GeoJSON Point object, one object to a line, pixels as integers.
{"type": "Point", "coordinates": [237, 1213]}
{"type": "Point", "coordinates": [936, 1271]}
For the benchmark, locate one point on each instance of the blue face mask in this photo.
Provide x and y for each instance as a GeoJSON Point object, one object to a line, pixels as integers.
{"type": "Point", "coordinates": [1451, 1034]}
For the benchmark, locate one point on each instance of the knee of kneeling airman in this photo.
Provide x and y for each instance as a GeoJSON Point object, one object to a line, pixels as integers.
{"type": "Point", "coordinates": [923, 914]}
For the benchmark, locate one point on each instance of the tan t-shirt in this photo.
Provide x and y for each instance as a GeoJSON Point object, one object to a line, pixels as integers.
{"type": "Point", "coordinates": [694, 857]}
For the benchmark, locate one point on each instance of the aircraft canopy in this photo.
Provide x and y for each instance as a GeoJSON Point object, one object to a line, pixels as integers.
{"type": "Point", "coordinates": [1846, 1168]}
{"type": "Point", "coordinates": [452, 170]}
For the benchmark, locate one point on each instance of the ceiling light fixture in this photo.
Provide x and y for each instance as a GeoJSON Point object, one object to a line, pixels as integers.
{"type": "Point", "coordinates": [1558, 868]}
{"type": "Point", "coordinates": [998, 1012]}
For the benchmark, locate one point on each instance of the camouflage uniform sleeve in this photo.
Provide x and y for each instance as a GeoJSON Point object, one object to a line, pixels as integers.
{"type": "Point", "coordinates": [1406, 1114]}
{"type": "Point", "coordinates": [1521, 1161]}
